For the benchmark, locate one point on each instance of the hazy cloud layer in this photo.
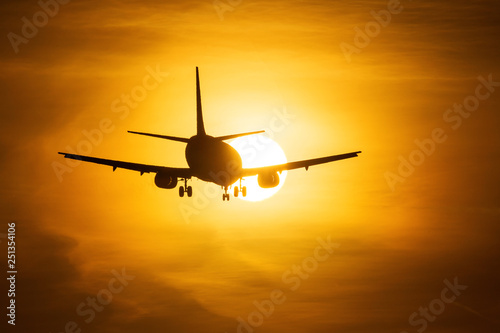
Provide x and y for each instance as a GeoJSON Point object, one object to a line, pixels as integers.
{"type": "Point", "coordinates": [396, 248]}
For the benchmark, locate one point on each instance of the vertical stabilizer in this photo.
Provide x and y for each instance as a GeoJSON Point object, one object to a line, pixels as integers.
{"type": "Point", "coordinates": [200, 128]}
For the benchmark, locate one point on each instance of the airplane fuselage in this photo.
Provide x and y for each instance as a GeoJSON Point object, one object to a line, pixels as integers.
{"type": "Point", "coordinates": [213, 160]}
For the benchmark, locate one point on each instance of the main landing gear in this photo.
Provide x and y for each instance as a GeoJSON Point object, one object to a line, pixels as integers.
{"type": "Point", "coordinates": [185, 189]}
{"type": "Point", "coordinates": [237, 190]}
{"type": "Point", "coordinates": [225, 196]}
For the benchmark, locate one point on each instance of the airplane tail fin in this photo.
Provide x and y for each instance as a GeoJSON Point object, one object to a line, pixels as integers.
{"type": "Point", "coordinates": [200, 127]}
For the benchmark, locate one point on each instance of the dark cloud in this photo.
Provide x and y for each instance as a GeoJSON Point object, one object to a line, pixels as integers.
{"type": "Point", "coordinates": [52, 284]}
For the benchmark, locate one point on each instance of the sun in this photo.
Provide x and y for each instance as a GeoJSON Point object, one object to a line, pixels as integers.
{"type": "Point", "coordinates": [256, 151]}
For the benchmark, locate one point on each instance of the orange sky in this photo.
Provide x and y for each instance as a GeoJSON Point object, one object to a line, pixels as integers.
{"type": "Point", "coordinates": [396, 241]}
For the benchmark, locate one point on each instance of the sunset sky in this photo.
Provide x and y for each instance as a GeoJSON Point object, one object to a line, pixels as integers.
{"type": "Point", "coordinates": [367, 244]}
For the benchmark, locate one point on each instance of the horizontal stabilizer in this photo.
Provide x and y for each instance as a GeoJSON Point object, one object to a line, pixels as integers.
{"type": "Point", "coordinates": [232, 136]}
{"type": "Point", "coordinates": [174, 138]}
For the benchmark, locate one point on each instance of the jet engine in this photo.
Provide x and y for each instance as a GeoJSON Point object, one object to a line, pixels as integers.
{"type": "Point", "coordinates": [165, 180]}
{"type": "Point", "coordinates": [268, 180]}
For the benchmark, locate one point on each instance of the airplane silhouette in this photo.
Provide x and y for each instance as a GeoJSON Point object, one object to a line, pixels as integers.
{"type": "Point", "coordinates": [210, 159]}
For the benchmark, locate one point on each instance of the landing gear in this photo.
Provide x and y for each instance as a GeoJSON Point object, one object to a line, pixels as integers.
{"type": "Point", "coordinates": [238, 189]}
{"type": "Point", "coordinates": [185, 189]}
{"type": "Point", "coordinates": [225, 195]}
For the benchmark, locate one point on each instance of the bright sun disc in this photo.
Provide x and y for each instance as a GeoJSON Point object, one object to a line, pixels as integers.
{"type": "Point", "coordinates": [257, 151]}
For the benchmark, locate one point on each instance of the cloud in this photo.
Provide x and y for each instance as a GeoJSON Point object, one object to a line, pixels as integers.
{"type": "Point", "coordinates": [53, 281]}
{"type": "Point", "coordinates": [396, 247]}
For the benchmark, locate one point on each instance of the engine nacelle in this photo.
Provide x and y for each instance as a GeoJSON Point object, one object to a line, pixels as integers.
{"type": "Point", "coordinates": [165, 180]}
{"type": "Point", "coordinates": [268, 180]}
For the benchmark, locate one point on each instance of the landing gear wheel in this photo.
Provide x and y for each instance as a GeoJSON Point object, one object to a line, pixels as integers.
{"type": "Point", "coordinates": [190, 191]}
{"type": "Point", "coordinates": [240, 189]}
{"type": "Point", "coordinates": [181, 191]}
{"type": "Point", "coordinates": [225, 195]}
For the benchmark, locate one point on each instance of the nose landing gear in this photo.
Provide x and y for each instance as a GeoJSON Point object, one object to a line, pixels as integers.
{"type": "Point", "coordinates": [225, 195]}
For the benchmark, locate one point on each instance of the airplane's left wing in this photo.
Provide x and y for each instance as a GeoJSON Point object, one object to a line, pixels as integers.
{"type": "Point", "coordinates": [142, 168]}
{"type": "Point", "coordinates": [297, 164]}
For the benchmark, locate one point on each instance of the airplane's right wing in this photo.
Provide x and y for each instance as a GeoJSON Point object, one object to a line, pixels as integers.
{"type": "Point", "coordinates": [142, 168]}
{"type": "Point", "coordinates": [297, 164]}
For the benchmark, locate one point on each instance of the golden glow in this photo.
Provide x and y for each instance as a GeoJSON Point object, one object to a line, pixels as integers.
{"type": "Point", "coordinates": [201, 262]}
{"type": "Point", "coordinates": [256, 151]}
